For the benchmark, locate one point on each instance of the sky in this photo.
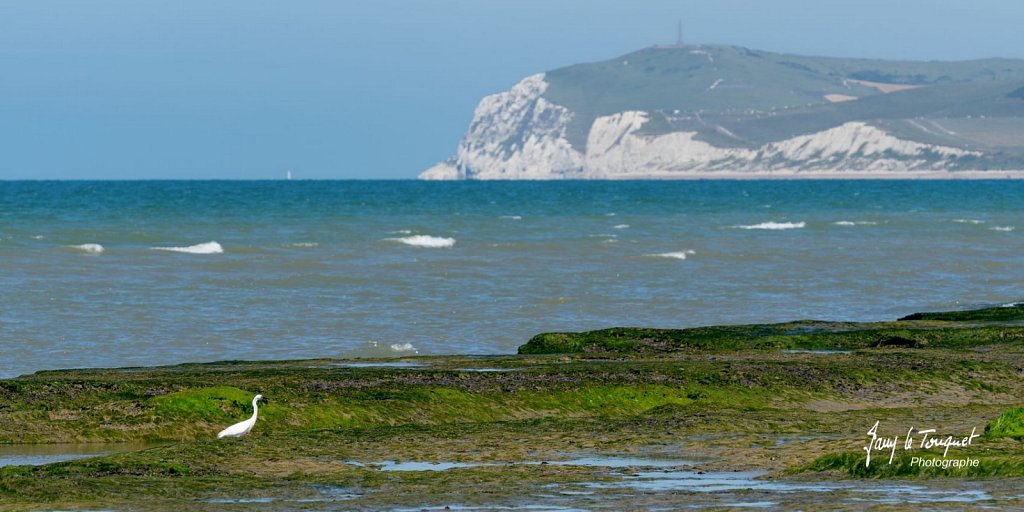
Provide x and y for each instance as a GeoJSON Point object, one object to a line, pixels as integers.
{"type": "Point", "coordinates": [371, 89]}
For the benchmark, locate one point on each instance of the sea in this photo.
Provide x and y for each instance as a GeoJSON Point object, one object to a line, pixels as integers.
{"type": "Point", "coordinates": [141, 273]}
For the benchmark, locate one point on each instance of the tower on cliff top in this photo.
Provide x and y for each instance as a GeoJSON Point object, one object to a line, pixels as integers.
{"type": "Point", "coordinates": [679, 38]}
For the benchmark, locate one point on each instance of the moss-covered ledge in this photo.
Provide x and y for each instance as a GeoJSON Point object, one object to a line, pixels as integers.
{"type": "Point", "coordinates": [954, 330]}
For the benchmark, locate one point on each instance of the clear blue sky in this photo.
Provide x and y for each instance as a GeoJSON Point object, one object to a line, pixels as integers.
{"type": "Point", "coordinates": [127, 89]}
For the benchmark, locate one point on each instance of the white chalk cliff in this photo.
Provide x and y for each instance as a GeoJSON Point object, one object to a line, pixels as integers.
{"type": "Point", "coordinates": [519, 134]}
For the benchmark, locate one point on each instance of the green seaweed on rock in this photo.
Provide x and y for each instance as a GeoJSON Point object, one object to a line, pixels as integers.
{"type": "Point", "coordinates": [1009, 424]}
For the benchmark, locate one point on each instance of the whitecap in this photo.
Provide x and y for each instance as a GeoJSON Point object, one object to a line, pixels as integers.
{"type": "Point", "coordinates": [206, 248]}
{"type": "Point", "coordinates": [603, 235]}
{"type": "Point", "coordinates": [855, 223]}
{"type": "Point", "coordinates": [402, 232]}
{"type": "Point", "coordinates": [680, 255]}
{"type": "Point", "coordinates": [1003, 228]}
{"type": "Point", "coordinates": [403, 347]}
{"type": "Point", "coordinates": [433, 242]}
{"type": "Point", "coordinates": [303, 245]}
{"type": "Point", "coordinates": [968, 221]}
{"type": "Point", "coordinates": [775, 225]}
{"type": "Point", "coordinates": [38, 237]}
{"type": "Point", "coordinates": [89, 248]}
{"type": "Point", "coordinates": [621, 226]}
{"type": "Point", "coordinates": [511, 217]}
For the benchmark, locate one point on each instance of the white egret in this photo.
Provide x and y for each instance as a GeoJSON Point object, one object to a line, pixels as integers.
{"type": "Point", "coordinates": [242, 428]}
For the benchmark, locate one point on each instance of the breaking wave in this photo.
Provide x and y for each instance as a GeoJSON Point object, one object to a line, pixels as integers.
{"type": "Point", "coordinates": [855, 223]}
{"type": "Point", "coordinates": [432, 242]}
{"type": "Point", "coordinates": [403, 347]}
{"type": "Point", "coordinates": [681, 255]}
{"type": "Point", "coordinates": [775, 225]}
{"type": "Point", "coordinates": [1003, 228]}
{"type": "Point", "coordinates": [88, 248]}
{"type": "Point", "coordinates": [207, 248]}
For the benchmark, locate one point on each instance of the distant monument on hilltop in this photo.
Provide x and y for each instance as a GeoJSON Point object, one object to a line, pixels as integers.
{"type": "Point", "coordinates": [679, 38]}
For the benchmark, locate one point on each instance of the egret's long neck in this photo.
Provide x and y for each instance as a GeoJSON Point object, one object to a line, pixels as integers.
{"type": "Point", "coordinates": [255, 408]}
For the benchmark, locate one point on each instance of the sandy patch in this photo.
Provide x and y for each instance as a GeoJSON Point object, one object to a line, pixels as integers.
{"type": "Point", "coordinates": [885, 88]}
{"type": "Point", "coordinates": [839, 98]}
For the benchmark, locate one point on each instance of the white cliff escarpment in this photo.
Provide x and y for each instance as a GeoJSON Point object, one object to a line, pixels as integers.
{"type": "Point", "coordinates": [514, 135]}
{"type": "Point", "coordinates": [615, 149]}
{"type": "Point", "coordinates": [519, 134]}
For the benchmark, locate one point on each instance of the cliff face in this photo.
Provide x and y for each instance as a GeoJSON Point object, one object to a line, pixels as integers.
{"type": "Point", "coordinates": [520, 135]}
{"type": "Point", "coordinates": [616, 150]}
{"type": "Point", "coordinates": [514, 135]}
{"type": "Point", "coordinates": [524, 133]}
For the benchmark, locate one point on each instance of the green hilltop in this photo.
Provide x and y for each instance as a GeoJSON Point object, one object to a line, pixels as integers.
{"type": "Point", "coordinates": [737, 97]}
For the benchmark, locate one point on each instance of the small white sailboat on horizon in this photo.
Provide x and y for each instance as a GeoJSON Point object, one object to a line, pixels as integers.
{"type": "Point", "coordinates": [288, 175]}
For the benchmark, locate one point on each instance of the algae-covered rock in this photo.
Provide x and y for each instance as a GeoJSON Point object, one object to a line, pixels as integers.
{"type": "Point", "coordinates": [212, 403]}
{"type": "Point", "coordinates": [1005, 313]}
{"type": "Point", "coordinates": [1008, 424]}
{"type": "Point", "coordinates": [800, 335]}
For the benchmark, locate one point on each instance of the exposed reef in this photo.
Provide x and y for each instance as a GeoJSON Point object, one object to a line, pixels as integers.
{"type": "Point", "coordinates": [785, 402]}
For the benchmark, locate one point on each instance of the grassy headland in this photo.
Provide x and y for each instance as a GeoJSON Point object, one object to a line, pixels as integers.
{"type": "Point", "coordinates": [738, 97]}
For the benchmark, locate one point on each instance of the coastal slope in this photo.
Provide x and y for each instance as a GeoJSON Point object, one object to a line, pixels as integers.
{"type": "Point", "coordinates": [723, 111]}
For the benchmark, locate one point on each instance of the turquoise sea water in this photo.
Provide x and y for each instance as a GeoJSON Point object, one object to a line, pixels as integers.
{"type": "Point", "coordinates": [296, 269]}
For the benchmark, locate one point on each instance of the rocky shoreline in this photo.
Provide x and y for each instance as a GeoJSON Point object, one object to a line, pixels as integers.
{"type": "Point", "coordinates": [582, 420]}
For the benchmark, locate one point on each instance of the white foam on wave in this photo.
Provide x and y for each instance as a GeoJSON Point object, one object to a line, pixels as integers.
{"type": "Point", "coordinates": [88, 248]}
{"type": "Point", "coordinates": [205, 248]}
{"type": "Point", "coordinates": [855, 223]}
{"type": "Point", "coordinates": [303, 245]}
{"type": "Point", "coordinates": [680, 255]}
{"type": "Point", "coordinates": [38, 237]}
{"type": "Point", "coordinates": [403, 347]}
{"type": "Point", "coordinates": [431, 242]}
{"type": "Point", "coordinates": [511, 217]}
{"type": "Point", "coordinates": [1003, 228]}
{"type": "Point", "coordinates": [621, 226]}
{"type": "Point", "coordinates": [775, 225]}
{"type": "Point", "coordinates": [968, 221]}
